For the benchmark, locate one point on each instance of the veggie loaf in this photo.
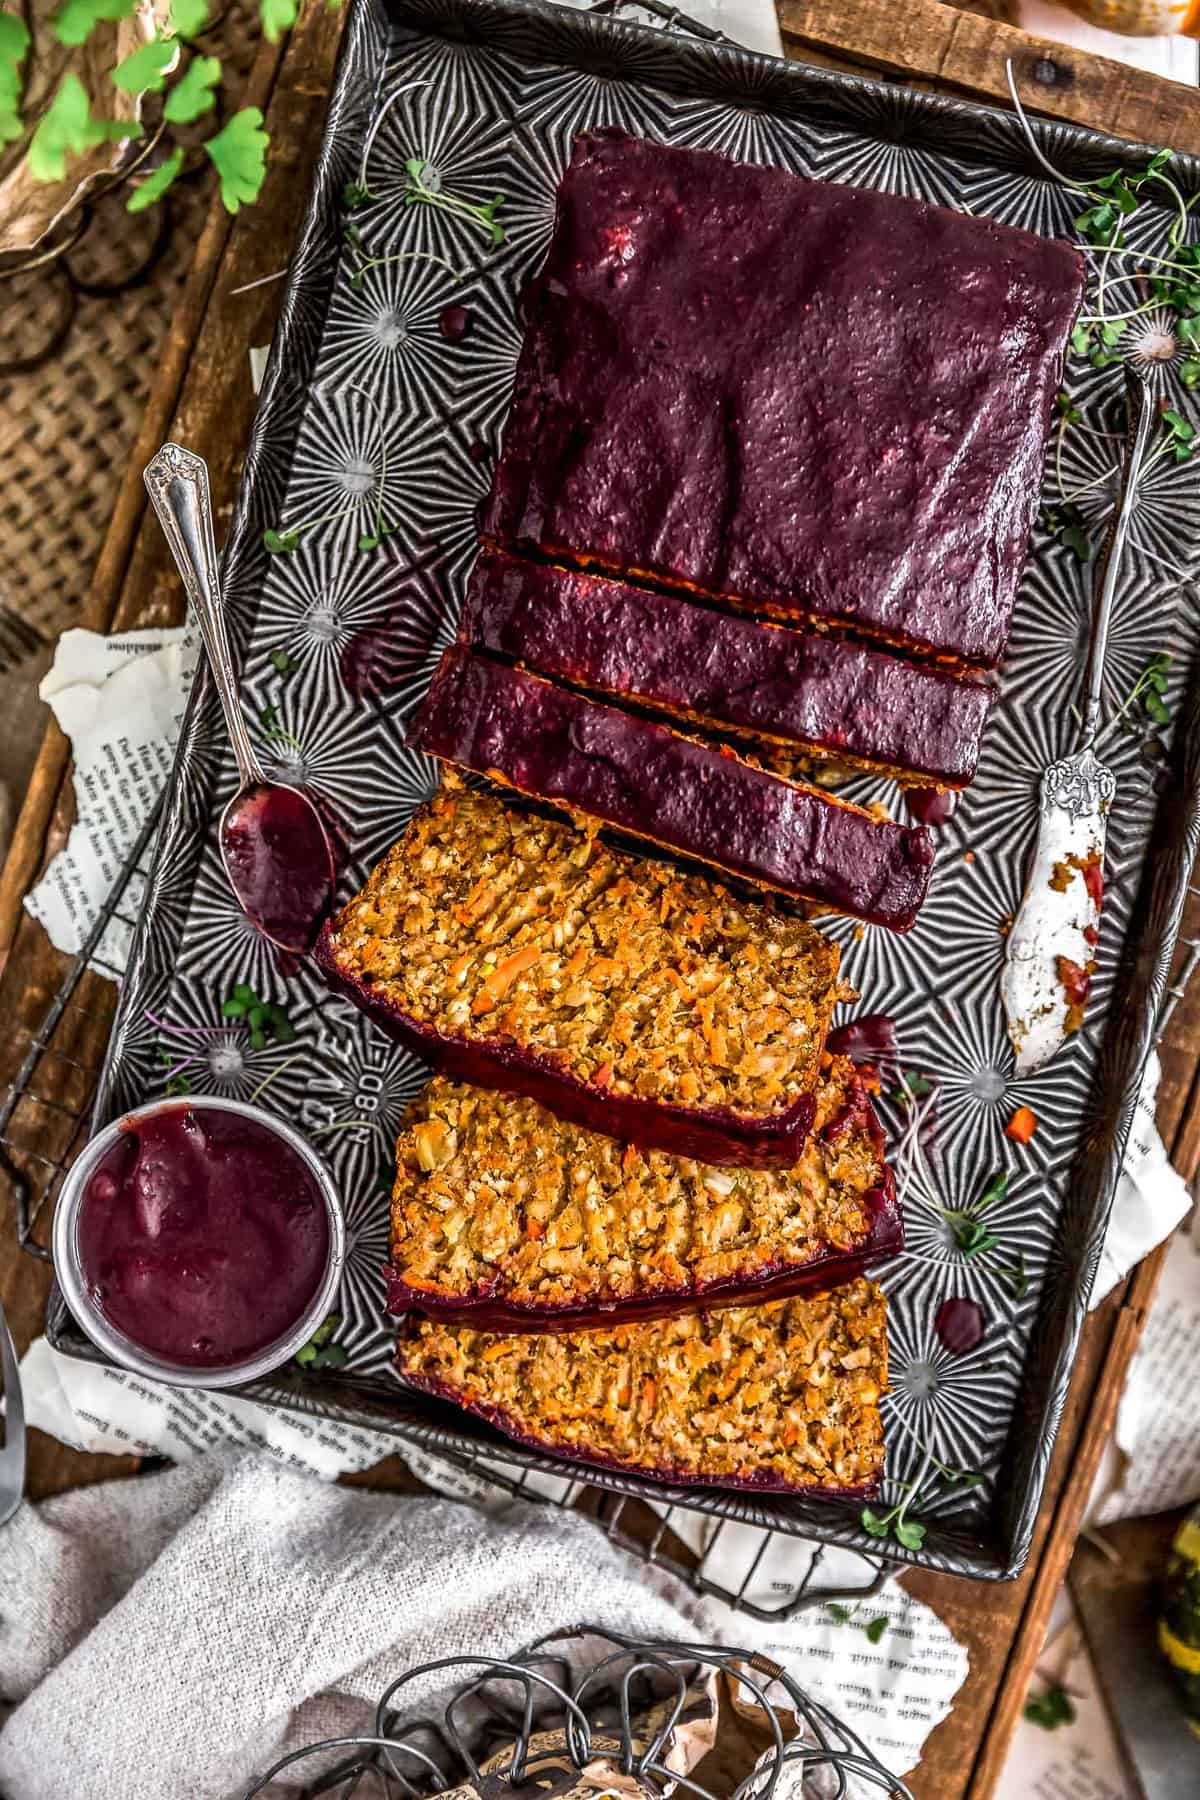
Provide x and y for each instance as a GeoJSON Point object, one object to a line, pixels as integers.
{"type": "Point", "coordinates": [827, 696]}
{"type": "Point", "coordinates": [783, 1397]}
{"type": "Point", "coordinates": [553, 744]}
{"type": "Point", "coordinates": [798, 395]}
{"type": "Point", "coordinates": [512, 1220]}
{"type": "Point", "coordinates": [517, 952]}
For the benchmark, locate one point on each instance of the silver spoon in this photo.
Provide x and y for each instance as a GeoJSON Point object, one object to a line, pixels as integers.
{"type": "Point", "coordinates": [274, 845]}
{"type": "Point", "coordinates": [1050, 949]}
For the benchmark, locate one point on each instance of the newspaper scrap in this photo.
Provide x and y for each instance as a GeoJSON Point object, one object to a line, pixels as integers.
{"type": "Point", "coordinates": [101, 1409]}
{"type": "Point", "coordinates": [1151, 1196]}
{"type": "Point", "coordinates": [119, 700]}
{"type": "Point", "coordinates": [1078, 1759]}
{"type": "Point", "coordinates": [1156, 1419]}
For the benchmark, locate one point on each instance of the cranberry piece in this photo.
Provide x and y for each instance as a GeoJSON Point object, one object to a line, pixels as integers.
{"type": "Point", "coordinates": [959, 1325]}
{"type": "Point", "coordinates": [869, 1038]}
{"type": "Point", "coordinates": [453, 323]}
{"type": "Point", "coordinates": [930, 806]}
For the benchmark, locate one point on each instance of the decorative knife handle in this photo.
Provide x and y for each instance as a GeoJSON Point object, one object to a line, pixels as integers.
{"type": "Point", "coordinates": [177, 483]}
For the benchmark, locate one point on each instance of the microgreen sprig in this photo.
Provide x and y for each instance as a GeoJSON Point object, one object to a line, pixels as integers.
{"type": "Point", "coordinates": [262, 1018]}
{"type": "Point", "coordinates": [319, 1352]}
{"type": "Point", "coordinates": [418, 193]}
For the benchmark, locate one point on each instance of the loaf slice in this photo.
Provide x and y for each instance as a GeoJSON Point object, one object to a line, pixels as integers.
{"type": "Point", "coordinates": [800, 396]}
{"type": "Point", "coordinates": [517, 952]}
{"type": "Point", "coordinates": [509, 1219]}
{"type": "Point", "coordinates": [783, 1398]}
{"type": "Point", "coordinates": [553, 744]}
{"type": "Point", "coordinates": [823, 696]}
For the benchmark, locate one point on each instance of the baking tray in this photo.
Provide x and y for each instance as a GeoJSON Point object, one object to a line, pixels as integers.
{"type": "Point", "coordinates": [367, 397]}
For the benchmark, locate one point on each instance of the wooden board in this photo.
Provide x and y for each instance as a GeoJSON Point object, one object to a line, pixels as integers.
{"type": "Point", "coordinates": [203, 398]}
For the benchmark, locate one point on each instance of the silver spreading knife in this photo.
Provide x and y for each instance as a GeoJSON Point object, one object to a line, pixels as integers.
{"type": "Point", "coordinates": [1051, 947]}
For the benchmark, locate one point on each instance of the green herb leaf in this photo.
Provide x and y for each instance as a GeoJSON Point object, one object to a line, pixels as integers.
{"type": "Point", "coordinates": [14, 43]}
{"type": "Point", "coordinates": [188, 17]}
{"type": "Point", "coordinates": [145, 71]}
{"type": "Point", "coordinates": [1016, 1278]}
{"type": "Point", "coordinates": [193, 94]}
{"type": "Point", "coordinates": [996, 1189]}
{"type": "Point", "coordinates": [75, 21]}
{"type": "Point", "coordinates": [872, 1523]}
{"type": "Point", "coordinates": [277, 17]}
{"type": "Point", "coordinates": [354, 195]}
{"type": "Point", "coordinates": [1180, 434]}
{"type": "Point", "coordinates": [283, 664]}
{"type": "Point", "coordinates": [178, 1084]}
{"type": "Point", "coordinates": [1049, 1709]}
{"type": "Point", "coordinates": [332, 1357]}
{"type": "Point", "coordinates": [68, 129]}
{"type": "Point", "coordinates": [909, 1533]}
{"type": "Point", "coordinates": [281, 543]}
{"type": "Point", "coordinates": [1081, 343]}
{"type": "Point", "coordinates": [11, 126]}
{"type": "Point", "coordinates": [239, 155]}
{"type": "Point", "coordinates": [840, 1613]}
{"type": "Point", "coordinates": [14, 39]}
{"type": "Point", "coordinates": [916, 1087]}
{"type": "Point", "coordinates": [155, 185]}
{"type": "Point", "coordinates": [876, 1627]}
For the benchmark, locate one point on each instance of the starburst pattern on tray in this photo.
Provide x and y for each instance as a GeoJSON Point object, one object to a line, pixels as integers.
{"type": "Point", "coordinates": [381, 416]}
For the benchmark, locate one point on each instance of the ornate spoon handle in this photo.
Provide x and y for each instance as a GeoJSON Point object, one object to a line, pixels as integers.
{"type": "Point", "coordinates": [177, 483]}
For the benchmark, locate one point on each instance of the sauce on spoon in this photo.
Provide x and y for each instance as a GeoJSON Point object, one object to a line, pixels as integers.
{"type": "Point", "coordinates": [279, 862]}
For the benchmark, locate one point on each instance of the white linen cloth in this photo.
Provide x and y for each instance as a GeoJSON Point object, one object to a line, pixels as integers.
{"type": "Point", "coordinates": [178, 1633]}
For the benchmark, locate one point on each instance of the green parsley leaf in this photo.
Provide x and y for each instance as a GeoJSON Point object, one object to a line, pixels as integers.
{"type": "Point", "coordinates": [909, 1533]}
{"type": "Point", "coordinates": [1081, 343]}
{"type": "Point", "coordinates": [354, 195]}
{"type": "Point", "coordinates": [840, 1613]}
{"type": "Point", "coordinates": [876, 1627]}
{"type": "Point", "coordinates": [281, 543]}
{"type": "Point", "coordinates": [14, 38]}
{"type": "Point", "coordinates": [68, 129]}
{"type": "Point", "coordinates": [872, 1523]}
{"type": "Point", "coordinates": [193, 93]}
{"type": "Point", "coordinates": [1049, 1709]}
{"type": "Point", "coordinates": [239, 154]}
{"type": "Point", "coordinates": [282, 663]}
{"type": "Point", "coordinates": [11, 127]}
{"type": "Point", "coordinates": [277, 17]}
{"type": "Point", "coordinates": [155, 185]}
{"type": "Point", "coordinates": [14, 43]}
{"type": "Point", "coordinates": [188, 17]}
{"type": "Point", "coordinates": [145, 71]}
{"type": "Point", "coordinates": [75, 20]}
{"type": "Point", "coordinates": [1189, 372]}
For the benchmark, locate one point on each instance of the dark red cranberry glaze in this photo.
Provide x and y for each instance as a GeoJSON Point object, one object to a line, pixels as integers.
{"type": "Point", "coordinates": [871, 1038]}
{"type": "Point", "coordinates": [278, 859]}
{"type": "Point", "coordinates": [930, 806]}
{"type": "Point", "coordinates": [202, 1236]}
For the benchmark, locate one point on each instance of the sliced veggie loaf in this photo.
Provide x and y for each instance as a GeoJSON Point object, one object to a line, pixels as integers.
{"type": "Point", "coordinates": [553, 744]}
{"type": "Point", "coordinates": [507, 1218]}
{"type": "Point", "coordinates": [823, 696]}
{"type": "Point", "coordinates": [518, 952]}
{"type": "Point", "coordinates": [783, 1397]}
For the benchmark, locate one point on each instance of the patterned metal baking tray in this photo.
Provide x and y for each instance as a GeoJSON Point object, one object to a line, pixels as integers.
{"type": "Point", "coordinates": [378, 400]}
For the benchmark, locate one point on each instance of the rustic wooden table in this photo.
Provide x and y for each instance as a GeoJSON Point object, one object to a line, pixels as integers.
{"type": "Point", "coordinates": [203, 398]}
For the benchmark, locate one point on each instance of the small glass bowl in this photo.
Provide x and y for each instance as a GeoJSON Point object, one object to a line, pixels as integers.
{"type": "Point", "coordinates": [123, 1350]}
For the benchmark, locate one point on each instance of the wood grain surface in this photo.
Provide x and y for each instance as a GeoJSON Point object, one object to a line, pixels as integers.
{"type": "Point", "coordinates": [959, 51]}
{"type": "Point", "coordinates": [203, 398]}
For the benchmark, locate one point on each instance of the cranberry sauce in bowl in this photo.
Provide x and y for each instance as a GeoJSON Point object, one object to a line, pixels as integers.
{"type": "Point", "coordinates": [199, 1240]}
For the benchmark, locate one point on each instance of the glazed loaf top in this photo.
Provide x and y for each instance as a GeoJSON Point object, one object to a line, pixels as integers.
{"type": "Point", "coordinates": [806, 396]}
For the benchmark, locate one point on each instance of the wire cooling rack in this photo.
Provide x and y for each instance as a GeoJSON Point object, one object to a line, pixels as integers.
{"type": "Point", "coordinates": [45, 1118]}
